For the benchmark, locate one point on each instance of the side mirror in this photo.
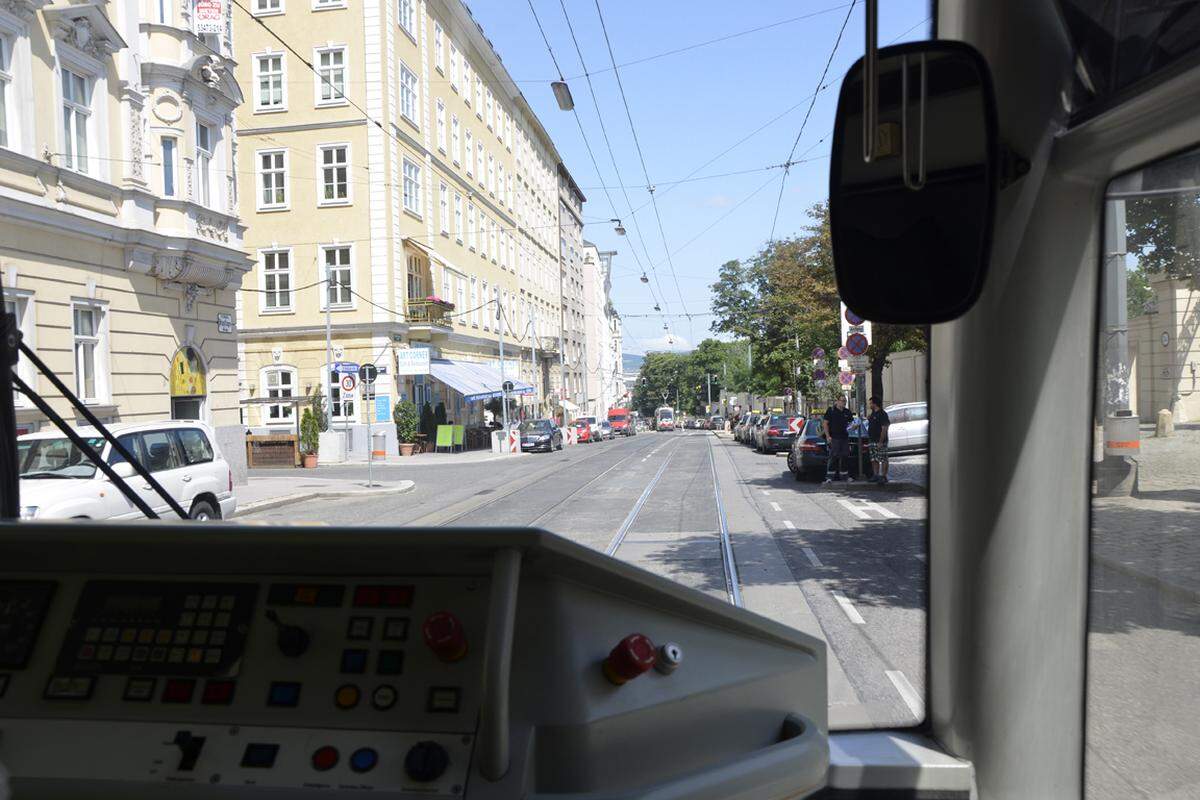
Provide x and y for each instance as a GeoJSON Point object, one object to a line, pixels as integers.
{"type": "Point", "coordinates": [124, 470]}
{"type": "Point", "coordinates": [911, 216]}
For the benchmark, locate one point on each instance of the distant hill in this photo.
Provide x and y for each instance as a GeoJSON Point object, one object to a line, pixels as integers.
{"type": "Point", "coordinates": [631, 362]}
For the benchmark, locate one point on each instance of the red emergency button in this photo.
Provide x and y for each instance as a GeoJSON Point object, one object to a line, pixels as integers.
{"type": "Point", "coordinates": [325, 758]}
{"type": "Point", "coordinates": [445, 636]}
{"type": "Point", "coordinates": [632, 656]}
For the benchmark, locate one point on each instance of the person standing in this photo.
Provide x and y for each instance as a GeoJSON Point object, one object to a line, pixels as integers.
{"type": "Point", "coordinates": [837, 438]}
{"type": "Point", "coordinates": [877, 430]}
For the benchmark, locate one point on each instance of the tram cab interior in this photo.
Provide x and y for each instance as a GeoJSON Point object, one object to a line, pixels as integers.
{"type": "Point", "coordinates": [541, 669]}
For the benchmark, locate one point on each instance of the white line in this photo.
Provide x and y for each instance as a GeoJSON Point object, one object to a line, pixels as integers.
{"type": "Point", "coordinates": [766, 493]}
{"type": "Point", "coordinates": [852, 508]}
{"type": "Point", "coordinates": [849, 608]}
{"type": "Point", "coordinates": [791, 526]}
{"type": "Point", "coordinates": [776, 506]}
{"type": "Point", "coordinates": [878, 509]}
{"type": "Point", "coordinates": [907, 693]}
{"type": "Point", "coordinates": [812, 558]}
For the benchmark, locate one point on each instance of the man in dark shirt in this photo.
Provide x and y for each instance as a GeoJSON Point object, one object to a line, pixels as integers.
{"type": "Point", "coordinates": [837, 438]}
{"type": "Point", "coordinates": [878, 431]}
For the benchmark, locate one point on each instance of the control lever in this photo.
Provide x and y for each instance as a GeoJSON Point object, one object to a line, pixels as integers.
{"type": "Point", "coordinates": [292, 640]}
{"type": "Point", "coordinates": [189, 749]}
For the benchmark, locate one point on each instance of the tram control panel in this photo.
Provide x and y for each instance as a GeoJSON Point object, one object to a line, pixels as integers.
{"type": "Point", "coordinates": [453, 664]}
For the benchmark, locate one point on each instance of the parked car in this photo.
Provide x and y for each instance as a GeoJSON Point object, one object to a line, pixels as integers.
{"type": "Point", "coordinates": [908, 427]}
{"type": "Point", "coordinates": [774, 434]}
{"type": "Point", "coordinates": [583, 431]}
{"type": "Point", "coordinates": [751, 436]}
{"type": "Point", "coordinates": [540, 434]}
{"type": "Point", "coordinates": [716, 423]}
{"type": "Point", "coordinates": [59, 482]}
{"type": "Point", "coordinates": [594, 427]}
{"type": "Point", "coordinates": [606, 430]}
{"type": "Point", "coordinates": [808, 457]}
{"type": "Point", "coordinates": [744, 426]}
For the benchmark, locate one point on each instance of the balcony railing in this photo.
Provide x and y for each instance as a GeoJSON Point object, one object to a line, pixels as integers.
{"type": "Point", "coordinates": [430, 312]}
{"type": "Point", "coordinates": [548, 344]}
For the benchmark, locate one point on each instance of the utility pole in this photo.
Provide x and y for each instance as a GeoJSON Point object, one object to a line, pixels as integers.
{"type": "Point", "coordinates": [708, 377]}
{"type": "Point", "coordinates": [503, 378]}
{"type": "Point", "coordinates": [328, 356]}
{"type": "Point", "coordinates": [537, 392]}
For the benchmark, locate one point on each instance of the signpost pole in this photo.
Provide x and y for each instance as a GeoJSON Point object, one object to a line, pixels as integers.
{"type": "Point", "coordinates": [370, 444]}
{"type": "Point", "coordinates": [503, 378]}
{"type": "Point", "coordinates": [329, 361]}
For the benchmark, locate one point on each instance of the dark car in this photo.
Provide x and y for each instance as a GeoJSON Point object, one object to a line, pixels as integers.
{"type": "Point", "coordinates": [716, 423]}
{"type": "Point", "coordinates": [540, 434]}
{"type": "Point", "coordinates": [775, 434]}
{"type": "Point", "coordinates": [809, 456]}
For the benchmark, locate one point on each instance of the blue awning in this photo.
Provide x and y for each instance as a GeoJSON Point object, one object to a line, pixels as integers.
{"type": "Point", "coordinates": [473, 381]}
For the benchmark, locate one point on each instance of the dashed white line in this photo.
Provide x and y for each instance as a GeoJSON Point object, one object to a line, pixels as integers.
{"type": "Point", "coordinates": [880, 510]}
{"type": "Point", "coordinates": [776, 506]}
{"type": "Point", "coordinates": [853, 508]}
{"type": "Point", "coordinates": [791, 526]}
{"type": "Point", "coordinates": [907, 693]}
{"type": "Point", "coordinates": [849, 608]}
{"type": "Point", "coordinates": [766, 493]}
{"type": "Point", "coordinates": [812, 558]}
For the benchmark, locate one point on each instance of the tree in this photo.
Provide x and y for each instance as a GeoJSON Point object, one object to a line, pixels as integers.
{"type": "Point", "coordinates": [1139, 297]}
{"type": "Point", "coordinates": [316, 402]}
{"type": "Point", "coordinates": [310, 433]}
{"type": "Point", "coordinates": [1163, 232]}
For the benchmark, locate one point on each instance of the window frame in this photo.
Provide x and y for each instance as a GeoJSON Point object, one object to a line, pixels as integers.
{"type": "Point", "coordinates": [444, 207]}
{"type": "Point", "coordinates": [169, 166]}
{"type": "Point", "coordinates": [203, 177]}
{"type": "Point", "coordinates": [256, 61]}
{"type": "Point", "coordinates": [439, 48]}
{"type": "Point", "coordinates": [458, 217]}
{"type": "Point", "coordinates": [322, 168]}
{"type": "Point", "coordinates": [414, 278]}
{"type": "Point", "coordinates": [406, 11]}
{"type": "Point", "coordinates": [69, 139]}
{"type": "Point", "coordinates": [259, 11]}
{"type": "Point", "coordinates": [440, 113]}
{"type": "Point", "coordinates": [7, 81]}
{"type": "Point", "coordinates": [260, 174]}
{"type": "Point", "coordinates": [286, 416]}
{"type": "Point", "coordinates": [322, 251]}
{"type": "Point", "coordinates": [320, 81]}
{"type": "Point", "coordinates": [329, 5]}
{"type": "Point", "coordinates": [415, 182]}
{"type": "Point", "coordinates": [288, 272]}
{"type": "Point", "coordinates": [411, 92]}
{"type": "Point", "coordinates": [25, 308]}
{"type": "Point", "coordinates": [101, 367]}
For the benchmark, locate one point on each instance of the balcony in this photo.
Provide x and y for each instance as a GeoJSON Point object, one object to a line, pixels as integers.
{"type": "Point", "coordinates": [548, 344]}
{"type": "Point", "coordinates": [430, 313]}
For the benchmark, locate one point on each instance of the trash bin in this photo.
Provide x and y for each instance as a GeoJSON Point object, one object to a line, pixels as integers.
{"type": "Point", "coordinates": [378, 444]}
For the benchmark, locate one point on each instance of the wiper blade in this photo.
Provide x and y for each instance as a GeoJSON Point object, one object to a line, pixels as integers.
{"type": "Point", "coordinates": [45, 474]}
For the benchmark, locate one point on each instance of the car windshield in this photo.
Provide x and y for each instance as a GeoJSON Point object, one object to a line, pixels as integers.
{"type": "Point", "coordinates": [55, 458]}
{"type": "Point", "coordinates": [617, 418]}
{"type": "Point", "coordinates": [535, 426]}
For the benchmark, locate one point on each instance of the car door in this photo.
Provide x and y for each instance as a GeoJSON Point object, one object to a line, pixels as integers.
{"type": "Point", "coordinates": [117, 505]}
{"type": "Point", "coordinates": [201, 473]}
{"type": "Point", "coordinates": [898, 429]}
{"type": "Point", "coordinates": [165, 462]}
{"type": "Point", "coordinates": [918, 427]}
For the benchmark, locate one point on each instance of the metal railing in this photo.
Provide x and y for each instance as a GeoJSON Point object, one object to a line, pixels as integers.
{"type": "Point", "coordinates": [429, 312]}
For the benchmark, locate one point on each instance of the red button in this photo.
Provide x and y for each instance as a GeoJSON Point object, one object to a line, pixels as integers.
{"type": "Point", "coordinates": [397, 596]}
{"type": "Point", "coordinates": [178, 690]}
{"type": "Point", "coordinates": [367, 596]}
{"type": "Point", "coordinates": [632, 656]}
{"type": "Point", "coordinates": [445, 636]}
{"type": "Point", "coordinates": [325, 758]}
{"type": "Point", "coordinates": [218, 693]}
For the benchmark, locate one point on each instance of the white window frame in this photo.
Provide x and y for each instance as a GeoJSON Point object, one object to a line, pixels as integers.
{"type": "Point", "coordinates": [406, 16]}
{"type": "Point", "coordinates": [410, 103]}
{"type": "Point", "coordinates": [262, 8]}
{"type": "Point", "coordinates": [481, 164]}
{"type": "Point", "coordinates": [458, 217]}
{"type": "Point", "coordinates": [484, 226]}
{"type": "Point", "coordinates": [455, 141]}
{"type": "Point", "coordinates": [491, 174]}
{"type": "Point", "coordinates": [329, 5]}
{"type": "Point", "coordinates": [415, 278]}
{"type": "Point", "coordinates": [478, 96]}
{"type": "Point", "coordinates": [256, 60]}
{"type": "Point", "coordinates": [286, 411]}
{"type": "Point", "coordinates": [454, 74]}
{"type": "Point", "coordinates": [322, 168]}
{"type": "Point", "coordinates": [260, 175]}
{"type": "Point", "coordinates": [170, 164]}
{"type": "Point", "coordinates": [411, 193]}
{"type": "Point", "coordinates": [490, 108]}
{"type": "Point", "coordinates": [444, 207]}
{"type": "Point", "coordinates": [470, 165]}
{"type": "Point", "coordinates": [474, 302]}
{"type": "Point", "coordinates": [336, 389]}
{"type": "Point", "coordinates": [341, 305]}
{"type": "Point", "coordinates": [441, 126]}
{"type": "Point", "coordinates": [500, 181]}
{"type": "Point", "coordinates": [289, 273]}
{"type": "Point", "coordinates": [7, 92]}
{"type": "Point", "coordinates": [472, 221]}
{"type": "Point", "coordinates": [100, 353]}
{"type": "Point", "coordinates": [320, 81]}
{"type": "Point", "coordinates": [87, 110]}
{"type": "Point", "coordinates": [439, 48]}
{"type": "Point", "coordinates": [26, 310]}
{"type": "Point", "coordinates": [487, 317]}
{"type": "Point", "coordinates": [202, 160]}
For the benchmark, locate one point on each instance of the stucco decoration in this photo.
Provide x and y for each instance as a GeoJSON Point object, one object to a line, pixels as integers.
{"type": "Point", "coordinates": [168, 109]}
{"type": "Point", "coordinates": [86, 28]}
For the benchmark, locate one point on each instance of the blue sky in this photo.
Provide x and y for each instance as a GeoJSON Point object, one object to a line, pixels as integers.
{"type": "Point", "coordinates": [688, 108]}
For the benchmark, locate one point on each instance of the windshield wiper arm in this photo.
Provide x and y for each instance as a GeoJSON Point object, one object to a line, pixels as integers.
{"type": "Point", "coordinates": [46, 474]}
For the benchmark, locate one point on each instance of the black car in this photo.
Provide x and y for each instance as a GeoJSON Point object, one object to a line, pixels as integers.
{"type": "Point", "coordinates": [809, 456]}
{"type": "Point", "coordinates": [540, 434]}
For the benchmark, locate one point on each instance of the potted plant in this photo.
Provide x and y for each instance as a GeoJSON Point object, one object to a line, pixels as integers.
{"type": "Point", "coordinates": [405, 417]}
{"type": "Point", "coordinates": [310, 438]}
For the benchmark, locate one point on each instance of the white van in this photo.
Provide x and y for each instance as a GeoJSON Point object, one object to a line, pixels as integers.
{"type": "Point", "coordinates": [59, 482]}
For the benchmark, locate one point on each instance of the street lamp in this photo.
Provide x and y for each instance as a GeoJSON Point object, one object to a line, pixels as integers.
{"type": "Point", "coordinates": [562, 93]}
{"type": "Point", "coordinates": [620, 229]}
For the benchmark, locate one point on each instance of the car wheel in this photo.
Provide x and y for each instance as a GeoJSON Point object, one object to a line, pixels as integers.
{"type": "Point", "coordinates": [203, 511]}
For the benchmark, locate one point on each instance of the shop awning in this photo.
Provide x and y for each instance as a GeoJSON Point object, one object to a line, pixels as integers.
{"type": "Point", "coordinates": [473, 381]}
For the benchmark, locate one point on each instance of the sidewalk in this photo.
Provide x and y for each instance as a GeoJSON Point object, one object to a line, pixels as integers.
{"type": "Point", "coordinates": [259, 494]}
{"type": "Point", "coordinates": [430, 459]}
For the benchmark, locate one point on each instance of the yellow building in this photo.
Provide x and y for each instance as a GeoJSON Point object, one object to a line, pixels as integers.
{"type": "Point", "coordinates": [120, 244]}
{"type": "Point", "coordinates": [404, 194]}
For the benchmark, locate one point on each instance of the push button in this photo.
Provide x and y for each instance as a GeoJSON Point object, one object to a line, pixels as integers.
{"type": "Point", "coordinates": [284, 693]}
{"type": "Point", "coordinates": [444, 635]}
{"type": "Point", "coordinates": [632, 656]}
{"type": "Point", "coordinates": [364, 759]}
{"type": "Point", "coordinates": [391, 662]}
{"type": "Point", "coordinates": [178, 690]}
{"type": "Point", "coordinates": [259, 755]}
{"type": "Point", "coordinates": [354, 662]}
{"type": "Point", "coordinates": [443, 700]}
{"type": "Point", "coordinates": [325, 758]}
{"type": "Point", "coordinates": [218, 693]}
{"type": "Point", "coordinates": [140, 690]}
{"type": "Point", "coordinates": [63, 688]}
{"type": "Point", "coordinates": [347, 696]}
{"type": "Point", "coordinates": [384, 697]}
{"type": "Point", "coordinates": [359, 628]}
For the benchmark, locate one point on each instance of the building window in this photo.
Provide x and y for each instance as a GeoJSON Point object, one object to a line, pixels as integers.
{"type": "Point", "coordinates": [484, 225]}
{"type": "Point", "coordinates": [489, 108]}
{"type": "Point", "coordinates": [412, 187]}
{"type": "Point", "coordinates": [478, 96]}
{"type": "Point", "coordinates": [466, 79]}
{"type": "Point", "coordinates": [455, 141]}
{"type": "Point", "coordinates": [77, 113]}
{"type": "Point", "coordinates": [341, 406]}
{"type": "Point", "coordinates": [416, 278]}
{"type": "Point", "coordinates": [461, 297]}
{"type": "Point", "coordinates": [335, 179]}
{"type": "Point", "coordinates": [439, 54]}
{"type": "Point", "coordinates": [492, 244]}
{"type": "Point", "coordinates": [277, 280]}
{"type": "Point", "coordinates": [454, 84]}
{"type": "Point", "coordinates": [168, 166]}
{"type": "Point", "coordinates": [89, 352]}
{"type": "Point", "coordinates": [487, 312]}
{"type": "Point", "coordinates": [331, 76]}
{"type": "Point", "coordinates": [271, 94]}
{"type": "Point", "coordinates": [500, 182]}
{"type": "Point", "coordinates": [279, 383]}
{"type": "Point", "coordinates": [471, 242]}
{"type": "Point", "coordinates": [458, 217]}
{"type": "Point", "coordinates": [441, 125]}
{"type": "Point", "coordinates": [474, 302]}
{"type": "Point", "coordinates": [444, 206]}
{"type": "Point", "coordinates": [470, 154]}
{"type": "Point", "coordinates": [21, 305]}
{"type": "Point", "coordinates": [481, 163]}
{"type": "Point", "coordinates": [263, 7]}
{"type": "Point", "coordinates": [6, 81]}
{"type": "Point", "coordinates": [340, 274]}
{"type": "Point", "coordinates": [406, 9]}
{"type": "Point", "coordinates": [491, 173]}
{"type": "Point", "coordinates": [272, 180]}
{"type": "Point", "coordinates": [408, 94]}
{"type": "Point", "coordinates": [318, 5]}
{"type": "Point", "coordinates": [204, 154]}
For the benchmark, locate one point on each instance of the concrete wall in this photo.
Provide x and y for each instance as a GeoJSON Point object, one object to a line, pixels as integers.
{"type": "Point", "coordinates": [906, 378]}
{"type": "Point", "coordinates": [1167, 375]}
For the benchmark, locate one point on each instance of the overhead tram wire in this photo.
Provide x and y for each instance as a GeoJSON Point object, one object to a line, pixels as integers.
{"type": "Point", "coordinates": [641, 156]}
{"type": "Point", "coordinates": [807, 114]}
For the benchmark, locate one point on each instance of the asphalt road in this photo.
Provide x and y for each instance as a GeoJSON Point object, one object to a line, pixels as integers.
{"type": "Point", "coordinates": [843, 562]}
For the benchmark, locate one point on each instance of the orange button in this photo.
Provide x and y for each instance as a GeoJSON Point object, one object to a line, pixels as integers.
{"type": "Point", "coordinates": [306, 595]}
{"type": "Point", "coordinates": [347, 696]}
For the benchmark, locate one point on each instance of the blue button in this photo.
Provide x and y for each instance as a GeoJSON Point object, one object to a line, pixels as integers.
{"type": "Point", "coordinates": [284, 693]}
{"type": "Point", "coordinates": [260, 755]}
{"type": "Point", "coordinates": [354, 662]}
{"type": "Point", "coordinates": [364, 759]}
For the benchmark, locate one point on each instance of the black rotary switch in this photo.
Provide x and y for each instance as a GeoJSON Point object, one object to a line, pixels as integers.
{"type": "Point", "coordinates": [292, 640]}
{"type": "Point", "coordinates": [426, 761]}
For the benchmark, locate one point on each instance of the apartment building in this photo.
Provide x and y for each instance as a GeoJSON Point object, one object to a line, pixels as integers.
{"type": "Point", "coordinates": [405, 213]}
{"type": "Point", "coordinates": [602, 357]}
{"type": "Point", "coordinates": [120, 243]}
{"type": "Point", "coordinates": [571, 388]}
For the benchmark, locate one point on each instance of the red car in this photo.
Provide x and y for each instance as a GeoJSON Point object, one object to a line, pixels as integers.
{"type": "Point", "coordinates": [583, 430]}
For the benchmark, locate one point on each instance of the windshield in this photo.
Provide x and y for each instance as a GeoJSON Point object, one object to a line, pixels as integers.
{"type": "Point", "coordinates": [405, 263]}
{"type": "Point", "coordinates": [55, 458]}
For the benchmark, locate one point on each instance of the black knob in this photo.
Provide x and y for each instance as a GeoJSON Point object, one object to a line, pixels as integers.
{"type": "Point", "coordinates": [292, 640]}
{"type": "Point", "coordinates": [426, 761]}
{"type": "Point", "coordinates": [189, 749]}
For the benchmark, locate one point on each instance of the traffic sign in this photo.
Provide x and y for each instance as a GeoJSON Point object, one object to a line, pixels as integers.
{"type": "Point", "coordinates": [819, 375]}
{"type": "Point", "coordinates": [795, 424]}
{"type": "Point", "coordinates": [345, 367]}
{"type": "Point", "coordinates": [349, 382]}
{"type": "Point", "coordinates": [846, 378]}
{"type": "Point", "coordinates": [852, 318]}
{"type": "Point", "coordinates": [818, 352]}
{"type": "Point", "coordinates": [843, 353]}
{"type": "Point", "coordinates": [367, 373]}
{"type": "Point", "coordinates": [856, 344]}
{"type": "Point", "coordinates": [858, 363]}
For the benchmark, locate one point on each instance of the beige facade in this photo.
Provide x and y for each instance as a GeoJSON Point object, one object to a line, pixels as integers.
{"type": "Point", "coordinates": [602, 333]}
{"type": "Point", "coordinates": [120, 244]}
{"type": "Point", "coordinates": [1164, 353]}
{"type": "Point", "coordinates": [571, 384]}
{"type": "Point", "coordinates": [410, 185]}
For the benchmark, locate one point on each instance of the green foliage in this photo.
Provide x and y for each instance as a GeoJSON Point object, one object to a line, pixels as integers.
{"type": "Point", "coordinates": [439, 415]}
{"type": "Point", "coordinates": [316, 402]}
{"type": "Point", "coordinates": [405, 417]}
{"type": "Point", "coordinates": [428, 426]}
{"type": "Point", "coordinates": [1163, 232]}
{"type": "Point", "coordinates": [310, 433]}
{"type": "Point", "coordinates": [1139, 297]}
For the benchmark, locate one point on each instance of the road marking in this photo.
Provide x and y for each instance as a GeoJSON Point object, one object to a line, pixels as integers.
{"type": "Point", "coordinates": [816, 562]}
{"type": "Point", "coordinates": [791, 526]}
{"type": "Point", "coordinates": [852, 508]}
{"type": "Point", "coordinates": [766, 493]}
{"type": "Point", "coordinates": [776, 506]}
{"type": "Point", "coordinates": [907, 693]}
{"type": "Point", "coordinates": [860, 508]}
{"type": "Point", "coordinates": [849, 608]}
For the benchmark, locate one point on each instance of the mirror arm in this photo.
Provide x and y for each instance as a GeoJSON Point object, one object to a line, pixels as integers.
{"type": "Point", "coordinates": [919, 183]}
{"type": "Point", "coordinates": [871, 81]}
{"type": "Point", "coordinates": [1012, 167]}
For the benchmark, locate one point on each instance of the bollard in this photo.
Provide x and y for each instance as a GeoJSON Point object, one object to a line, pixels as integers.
{"type": "Point", "coordinates": [1165, 425]}
{"type": "Point", "coordinates": [1121, 437]}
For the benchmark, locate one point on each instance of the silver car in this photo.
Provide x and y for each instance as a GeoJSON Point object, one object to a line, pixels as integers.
{"type": "Point", "coordinates": [908, 428]}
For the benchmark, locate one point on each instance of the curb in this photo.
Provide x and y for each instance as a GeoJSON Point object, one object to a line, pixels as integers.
{"type": "Point", "coordinates": [263, 505]}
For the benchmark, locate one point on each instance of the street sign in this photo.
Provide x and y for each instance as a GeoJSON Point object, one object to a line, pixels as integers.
{"type": "Point", "coordinates": [795, 424]}
{"type": "Point", "coordinates": [367, 373]}
{"type": "Point", "coordinates": [224, 323]}
{"type": "Point", "coordinates": [856, 344]}
{"type": "Point", "coordinates": [852, 318]}
{"type": "Point", "coordinates": [818, 352]}
{"type": "Point", "coordinates": [858, 363]}
{"type": "Point", "coordinates": [843, 353]}
{"type": "Point", "coordinates": [349, 382]}
{"type": "Point", "coordinates": [383, 408]}
{"type": "Point", "coordinates": [209, 16]}
{"type": "Point", "coordinates": [845, 378]}
{"type": "Point", "coordinates": [345, 367]}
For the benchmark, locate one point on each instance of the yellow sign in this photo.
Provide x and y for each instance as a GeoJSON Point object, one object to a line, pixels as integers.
{"type": "Point", "coordinates": [187, 374]}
